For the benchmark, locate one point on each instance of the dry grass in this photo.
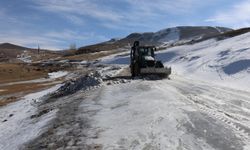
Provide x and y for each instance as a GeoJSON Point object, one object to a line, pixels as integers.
{"type": "Point", "coordinates": [13, 93]}
{"type": "Point", "coordinates": [24, 88]}
{"type": "Point", "coordinates": [11, 73]}
{"type": "Point", "coordinates": [19, 72]}
{"type": "Point", "coordinates": [234, 33]}
{"type": "Point", "coordinates": [91, 56]}
{"type": "Point", "coordinates": [8, 100]}
{"type": "Point", "coordinates": [43, 55]}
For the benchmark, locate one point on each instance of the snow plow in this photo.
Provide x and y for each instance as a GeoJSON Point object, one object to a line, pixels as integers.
{"type": "Point", "coordinates": [143, 62]}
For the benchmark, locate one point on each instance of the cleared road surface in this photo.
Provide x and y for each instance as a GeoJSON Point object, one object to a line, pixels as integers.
{"type": "Point", "coordinates": [169, 114]}
{"type": "Point", "coordinates": [180, 114]}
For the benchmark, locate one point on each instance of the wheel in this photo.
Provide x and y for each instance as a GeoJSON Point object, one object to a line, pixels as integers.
{"type": "Point", "coordinates": [132, 71]}
{"type": "Point", "coordinates": [135, 70]}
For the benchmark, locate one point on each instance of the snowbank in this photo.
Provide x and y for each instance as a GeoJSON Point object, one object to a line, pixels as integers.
{"type": "Point", "coordinates": [58, 74]}
{"type": "Point", "coordinates": [80, 83]}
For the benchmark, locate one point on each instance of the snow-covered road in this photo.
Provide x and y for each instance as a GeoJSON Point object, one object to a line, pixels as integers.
{"type": "Point", "coordinates": [168, 114]}
{"type": "Point", "coordinates": [178, 114]}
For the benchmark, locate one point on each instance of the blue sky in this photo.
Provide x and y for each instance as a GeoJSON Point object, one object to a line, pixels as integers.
{"type": "Point", "coordinates": [55, 24]}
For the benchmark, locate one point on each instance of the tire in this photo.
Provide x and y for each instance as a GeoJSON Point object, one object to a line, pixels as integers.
{"type": "Point", "coordinates": [132, 71]}
{"type": "Point", "coordinates": [135, 69]}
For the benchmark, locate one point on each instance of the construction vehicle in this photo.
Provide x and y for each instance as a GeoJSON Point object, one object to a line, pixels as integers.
{"type": "Point", "coordinates": [143, 62]}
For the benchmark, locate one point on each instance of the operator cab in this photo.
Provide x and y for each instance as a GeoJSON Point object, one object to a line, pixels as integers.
{"type": "Point", "coordinates": [147, 56]}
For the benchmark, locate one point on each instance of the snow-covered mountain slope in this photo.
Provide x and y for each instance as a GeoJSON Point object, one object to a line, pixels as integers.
{"type": "Point", "coordinates": [176, 34]}
{"type": "Point", "coordinates": [170, 35]}
{"type": "Point", "coordinates": [165, 37]}
{"type": "Point", "coordinates": [226, 61]}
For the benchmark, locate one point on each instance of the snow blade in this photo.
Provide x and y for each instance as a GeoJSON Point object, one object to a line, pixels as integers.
{"type": "Point", "coordinates": [163, 72]}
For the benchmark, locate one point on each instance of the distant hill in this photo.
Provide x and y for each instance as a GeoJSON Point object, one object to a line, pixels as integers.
{"type": "Point", "coordinates": [12, 53]}
{"type": "Point", "coordinates": [169, 36]}
{"type": "Point", "coordinates": [9, 51]}
{"type": "Point", "coordinates": [12, 46]}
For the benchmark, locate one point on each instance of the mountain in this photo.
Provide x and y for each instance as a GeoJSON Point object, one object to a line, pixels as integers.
{"type": "Point", "coordinates": [8, 51]}
{"type": "Point", "coordinates": [176, 34]}
{"type": "Point", "coordinates": [165, 37]}
{"type": "Point", "coordinates": [15, 53]}
{"type": "Point", "coordinates": [11, 46]}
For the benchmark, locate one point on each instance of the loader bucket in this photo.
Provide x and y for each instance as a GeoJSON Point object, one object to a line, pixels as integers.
{"type": "Point", "coordinates": [163, 72]}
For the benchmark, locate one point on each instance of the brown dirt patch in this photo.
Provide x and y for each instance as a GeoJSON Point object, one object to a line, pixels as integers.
{"type": "Point", "coordinates": [7, 100]}
{"type": "Point", "coordinates": [11, 89]}
{"type": "Point", "coordinates": [19, 72]}
{"type": "Point", "coordinates": [12, 93]}
{"type": "Point", "coordinates": [90, 56]}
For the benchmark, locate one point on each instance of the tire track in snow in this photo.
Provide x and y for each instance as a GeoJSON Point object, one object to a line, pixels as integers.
{"type": "Point", "coordinates": [204, 104]}
{"type": "Point", "coordinates": [222, 116]}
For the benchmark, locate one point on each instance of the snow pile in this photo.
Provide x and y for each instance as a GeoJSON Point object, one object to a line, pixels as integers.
{"type": "Point", "coordinates": [84, 62]}
{"type": "Point", "coordinates": [16, 127]}
{"type": "Point", "coordinates": [58, 74]}
{"type": "Point", "coordinates": [109, 71]}
{"type": "Point", "coordinates": [118, 81]}
{"type": "Point", "coordinates": [81, 83]}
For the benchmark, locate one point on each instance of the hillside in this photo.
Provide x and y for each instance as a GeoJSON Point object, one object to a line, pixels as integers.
{"type": "Point", "coordinates": [15, 53]}
{"type": "Point", "coordinates": [12, 46]}
{"type": "Point", "coordinates": [8, 50]}
{"type": "Point", "coordinates": [224, 59]}
{"type": "Point", "coordinates": [165, 37]}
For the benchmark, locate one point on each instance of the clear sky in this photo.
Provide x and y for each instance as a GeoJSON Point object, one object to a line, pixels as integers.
{"type": "Point", "coordinates": [56, 24]}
